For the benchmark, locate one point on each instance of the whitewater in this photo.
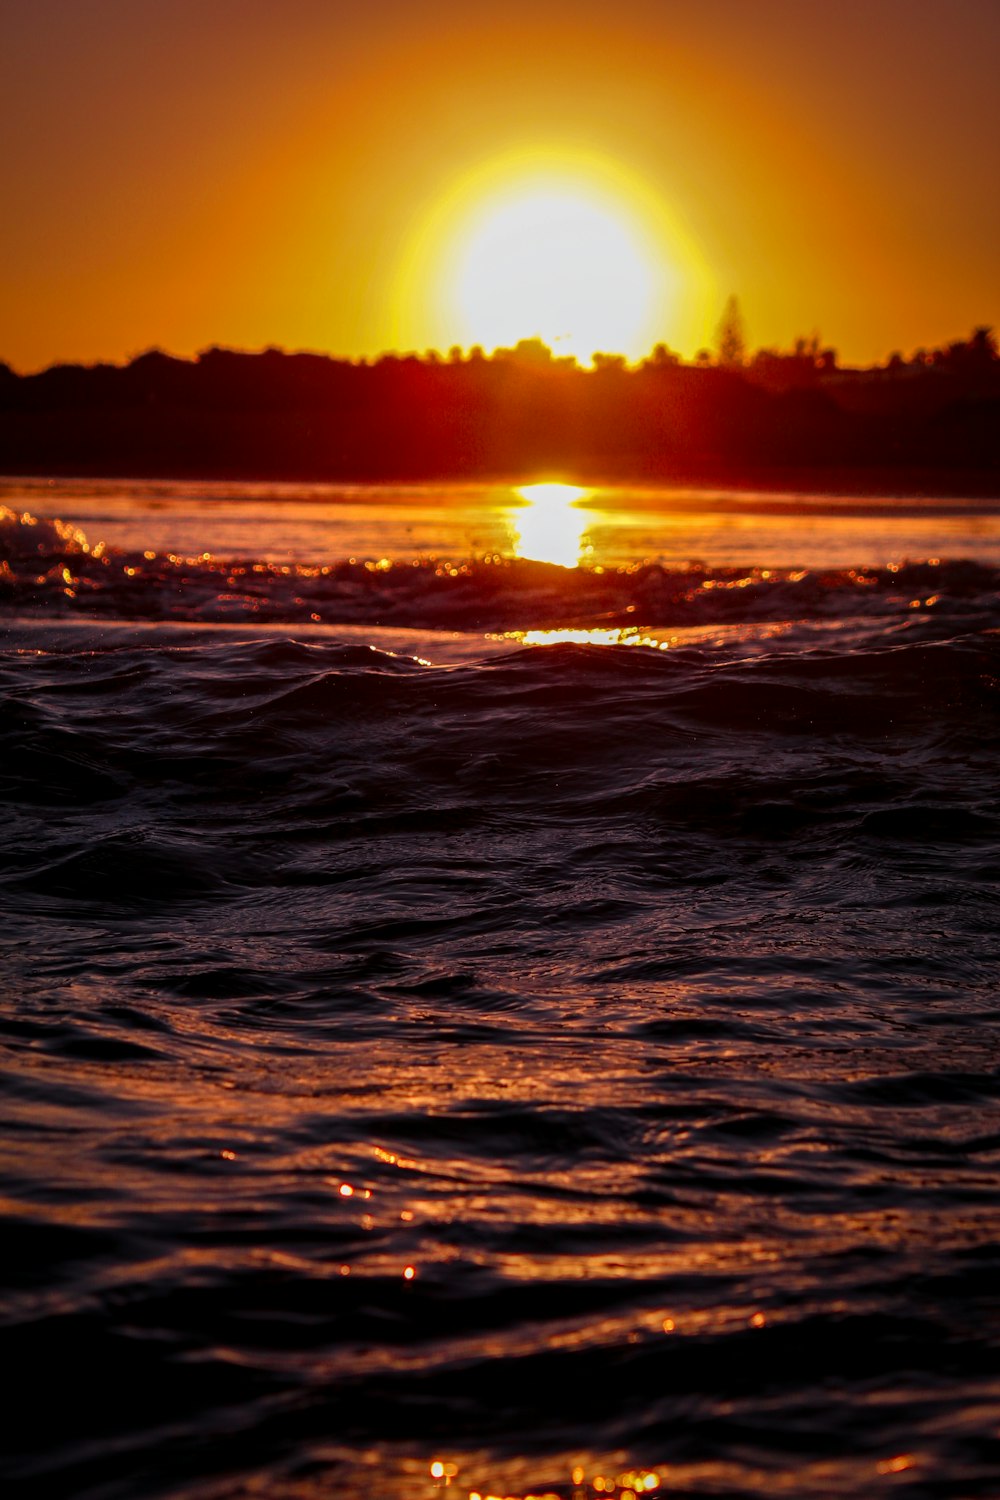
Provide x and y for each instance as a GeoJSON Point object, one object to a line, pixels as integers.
{"type": "Point", "coordinates": [474, 1024]}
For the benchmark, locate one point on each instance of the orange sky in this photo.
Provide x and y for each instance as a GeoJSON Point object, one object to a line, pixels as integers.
{"type": "Point", "coordinates": [250, 172]}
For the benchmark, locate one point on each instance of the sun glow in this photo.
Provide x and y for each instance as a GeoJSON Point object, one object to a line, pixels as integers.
{"type": "Point", "coordinates": [554, 262]}
{"type": "Point", "coordinates": [565, 247]}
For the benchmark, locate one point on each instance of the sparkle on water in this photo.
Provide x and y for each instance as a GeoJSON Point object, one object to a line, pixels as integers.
{"type": "Point", "coordinates": [554, 526]}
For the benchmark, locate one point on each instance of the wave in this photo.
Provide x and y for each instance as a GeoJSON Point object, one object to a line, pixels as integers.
{"type": "Point", "coordinates": [343, 742]}
{"type": "Point", "coordinates": [48, 566]}
{"type": "Point", "coordinates": [565, 1070]}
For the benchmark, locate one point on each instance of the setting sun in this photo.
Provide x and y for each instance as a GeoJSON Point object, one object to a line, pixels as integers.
{"type": "Point", "coordinates": [568, 247]}
{"type": "Point", "coordinates": [556, 263]}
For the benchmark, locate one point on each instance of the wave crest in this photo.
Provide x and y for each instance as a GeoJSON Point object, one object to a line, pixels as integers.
{"type": "Point", "coordinates": [49, 564]}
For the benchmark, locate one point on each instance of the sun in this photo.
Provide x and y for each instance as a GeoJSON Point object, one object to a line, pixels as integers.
{"type": "Point", "coordinates": [568, 247]}
{"type": "Point", "coordinates": [552, 261]}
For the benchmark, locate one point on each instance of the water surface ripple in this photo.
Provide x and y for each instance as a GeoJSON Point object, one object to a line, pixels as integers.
{"type": "Point", "coordinates": [572, 1058]}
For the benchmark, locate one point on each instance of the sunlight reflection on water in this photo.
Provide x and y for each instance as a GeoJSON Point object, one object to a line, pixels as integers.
{"type": "Point", "coordinates": [554, 527]}
{"type": "Point", "coordinates": [749, 635]}
{"type": "Point", "coordinates": [562, 524]}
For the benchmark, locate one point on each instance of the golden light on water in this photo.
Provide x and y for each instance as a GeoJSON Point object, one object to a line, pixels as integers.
{"type": "Point", "coordinates": [654, 638]}
{"type": "Point", "coordinates": [571, 636]}
{"type": "Point", "coordinates": [553, 528]}
{"type": "Point", "coordinates": [629, 1484]}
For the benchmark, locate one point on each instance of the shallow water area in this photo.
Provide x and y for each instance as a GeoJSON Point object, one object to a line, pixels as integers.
{"type": "Point", "coordinates": [616, 526]}
{"type": "Point", "coordinates": [527, 1031]}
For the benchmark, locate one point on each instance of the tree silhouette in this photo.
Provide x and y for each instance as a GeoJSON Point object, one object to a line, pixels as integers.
{"type": "Point", "coordinates": [730, 339]}
{"type": "Point", "coordinates": [404, 417]}
{"type": "Point", "coordinates": [663, 357]}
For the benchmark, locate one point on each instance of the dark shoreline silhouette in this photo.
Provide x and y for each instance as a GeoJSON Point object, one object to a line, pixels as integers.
{"type": "Point", "coordinates": [929, 424]}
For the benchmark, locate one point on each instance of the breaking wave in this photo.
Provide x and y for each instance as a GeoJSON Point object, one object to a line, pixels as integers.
{"type": "Point", "coordinates": [49, 565]}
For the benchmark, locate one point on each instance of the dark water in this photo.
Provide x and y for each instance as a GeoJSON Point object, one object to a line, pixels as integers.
{"type": "Point", "coordinates": [567, 1058]}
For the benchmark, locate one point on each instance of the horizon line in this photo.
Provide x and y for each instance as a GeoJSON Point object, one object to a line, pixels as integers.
{"type": "Point", "coordinates": [530, 346]}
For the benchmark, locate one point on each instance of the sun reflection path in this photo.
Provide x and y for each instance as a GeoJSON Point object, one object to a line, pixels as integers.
{"type": "Point", "coordinates": [553, 528]}
{"type": "Point", "coordinates": [630, 1484]}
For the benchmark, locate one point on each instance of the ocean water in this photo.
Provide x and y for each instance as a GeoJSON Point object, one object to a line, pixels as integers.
{"type": "Point", "coordinates": [474, 1025]}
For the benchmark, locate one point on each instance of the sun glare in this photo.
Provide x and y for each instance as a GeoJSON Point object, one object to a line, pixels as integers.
{"type": "Point", "coordinates": [553, 263]}
{"type": "Point", "coordinates": [552, 528]}
{"type": "Point", "coordinates": [568, 248]}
